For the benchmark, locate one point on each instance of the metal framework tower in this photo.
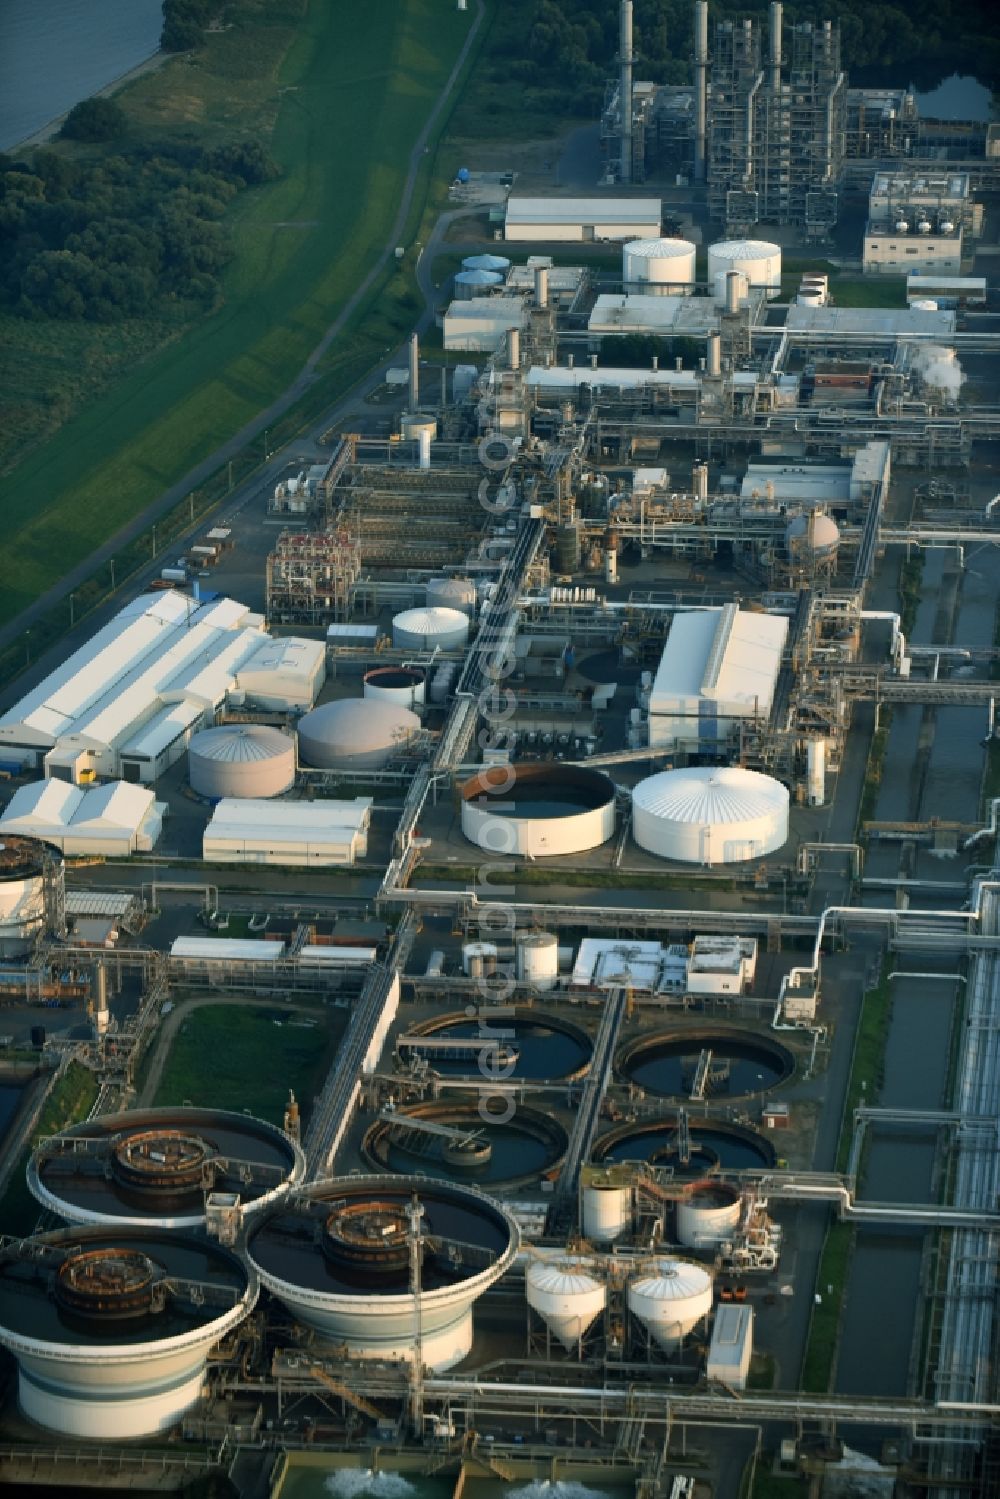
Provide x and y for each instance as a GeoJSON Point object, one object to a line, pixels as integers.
{"type": "Point", "coordinates": [309, 577]}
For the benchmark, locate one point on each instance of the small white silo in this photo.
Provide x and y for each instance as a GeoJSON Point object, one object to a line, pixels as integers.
{"type": "Point", "coordinates": [537, 959]}
{"type": "Point", "coordinates": [708, 1216]}
{"type": "Point", "coordinates": [568, 1296]}
{"type": "Point", "coordinates": [669, 1299]}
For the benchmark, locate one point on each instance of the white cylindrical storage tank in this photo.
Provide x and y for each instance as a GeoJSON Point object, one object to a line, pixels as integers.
{"type": "Point", "coordinates": [404, 685]}
{"type": "Point", "coordinates": [816, 772]}
{"type": "Point", "coordinates": [567, 1295]}
{"type": "Point", "coordinates": [111, 1328]}
{"type": "Point", "coordinates": [469, 284]}
{"type": "Point", "coordinates": [241, 760]}
{"type": "Point", "coordinates": [757, 259]}
{"type": "Point", "coordinates": [607, 1206]}
{"type": "Point", "coordinates": [355, 733]}
{"type": "Point", "coordinates": [710, 814]}
{"type": "Point", "coordinates": [22, 893]}
{"type": "Point", "coordinates": [537, 810]}
{"type": "Point", "coordinates": [659, 266]}
{"type": "Point", "coordinates": [708, 1216]}
{"type": "Point", "coordinates": [486, 262]}
{"type": "Point", "coordinates": [452, 593]}
{"type": "Point", "coordinates": [423, 629]}
{"type": "Point", "coordinates": [479, 959]}
{"type": "Point", "coordinates": [414, 425]}
{"type": "Point", "coordinates": [670, 1299]}
{"type": "Point", "coordinates": [537, 959]}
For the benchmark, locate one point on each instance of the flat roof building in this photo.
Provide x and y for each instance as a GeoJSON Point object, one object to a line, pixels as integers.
{"type": "Point", "coordinates": [482, 325]}
{"type": "Point", "coordinates": [583, 219]}
{"type": "Point", "coordinates": [731, 1348]}
{"type": "Point", "coordinates": [307, 834]}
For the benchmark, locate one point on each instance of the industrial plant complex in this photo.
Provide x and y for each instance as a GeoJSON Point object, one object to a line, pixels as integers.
{"type": "Point", "coordinates": [583, 745]}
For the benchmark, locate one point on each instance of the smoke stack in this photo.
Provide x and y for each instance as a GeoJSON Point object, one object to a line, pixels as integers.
{"type": "Point", "coordinates": [414, 373]}
{"type": "Point", "coordinates": [625, 90]}
{"type": "Point", "coordinates": [700, 87]}
{"type": "Point", "coordinates": [514, 347]}
{"type": "Point", "coordinates": [541, 287]}
{"type": "Point", "coordinates": [775, 55]}
{"type": "Point", "coordinates": [732, 291]}
{"type": "Point", "coordinates": [713, 356]}
{"type": "Point", "coordinates": [444, 386]}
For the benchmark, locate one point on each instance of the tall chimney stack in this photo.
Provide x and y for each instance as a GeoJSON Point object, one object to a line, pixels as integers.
{"type": "Point", "coordinates": [414, 373]}
{"type": "Point", "coordinates": [775, 54]}
{"type": "Point", "coordinates": [625, 90]}
{"type": "Point", "coordinates": [700, 88]}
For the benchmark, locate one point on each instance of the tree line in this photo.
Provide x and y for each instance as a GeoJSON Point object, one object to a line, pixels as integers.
{"type": "Point", "coordinates": [561, 52]}
{"type": "Point", "coordinates": [121, 236]}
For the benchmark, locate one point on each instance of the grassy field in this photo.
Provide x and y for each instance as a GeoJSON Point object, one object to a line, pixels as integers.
{"type": "Point", "coordinates": [247, 1057]}
{"type": "Point", "coordinates": [352, 99]}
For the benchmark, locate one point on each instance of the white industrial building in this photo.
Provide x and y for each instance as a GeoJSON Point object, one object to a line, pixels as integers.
{"type": "Point", "coordinates": [718, 666]}
{"type": "Point", "coordinates": [821, 484]}
{"type": "Point", "coordinates": [731, 1348]}
{"type": "Point", "coordinates": [307, 834]}
{"type": "Point", "coordinates": [126, 703]}
{"type": "Point", "coordinates": [584, 219]}
{"type": "Point", "coordinates": [643, 312]}
{"type": "Point", "coordinates": [919, 222]}
{"type": "Point", "coordinates": [649, 967]}
{"type": "Point", "coordinates": [481, 325]}
{"type": "Point", "coordinates": [721, 965]}
{"type": "Point", "coordinates": [876, 324]}
{"type": "Point", "coordinates": [113, 820]}
{"type": "Point", "coordinates": [283, 674]}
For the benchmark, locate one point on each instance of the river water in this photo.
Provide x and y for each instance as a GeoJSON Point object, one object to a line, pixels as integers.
{"type": "Point", "coordinates": [53, 53]}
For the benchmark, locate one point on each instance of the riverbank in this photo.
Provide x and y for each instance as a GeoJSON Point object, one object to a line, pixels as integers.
{"type": "Point", "coordinates": [131, 75]}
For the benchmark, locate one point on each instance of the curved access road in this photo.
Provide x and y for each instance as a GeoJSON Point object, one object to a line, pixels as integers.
{"type": "Point", "coordinates": [305, 378]}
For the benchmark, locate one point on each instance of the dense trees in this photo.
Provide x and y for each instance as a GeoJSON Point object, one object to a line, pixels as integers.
{"type": "Point", "coordinates": [559, 53]}
{"type": "Point", "coordinates": [94, 120]}
{"type": "Point", "coordinates": [184, 23]}
{"type": "Point", "coordinates": [113, 238]}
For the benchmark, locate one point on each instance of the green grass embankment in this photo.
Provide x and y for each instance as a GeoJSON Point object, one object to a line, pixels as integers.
{"type": "Point", "coordinates": [70, 1099]}
{"type": "Point", "coordinates": [353, 98]}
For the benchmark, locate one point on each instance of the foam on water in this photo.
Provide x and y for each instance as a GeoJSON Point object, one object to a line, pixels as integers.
{"type": "Point", "coordinates": [561, 1489]}
{"type": "Point", "coordinates": [353, 1483]}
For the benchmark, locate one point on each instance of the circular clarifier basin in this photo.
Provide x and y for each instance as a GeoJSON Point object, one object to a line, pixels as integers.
{"type": "Point", "coordinates": [704, 1064]}
{"type": "Point", "coordinates": [715, 1146]}
{"type": "Point", "coordinates": [468, 1143]}
{"type": "Point", "coordinates": [538, 1045]}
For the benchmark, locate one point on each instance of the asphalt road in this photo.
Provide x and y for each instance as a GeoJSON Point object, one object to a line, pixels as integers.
{"type": "Point", "coordinates": [305, 378]}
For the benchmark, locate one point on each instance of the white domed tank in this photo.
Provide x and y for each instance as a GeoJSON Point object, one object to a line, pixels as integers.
{"type": "Point", "coordinates": [607, 1204]}
{"type": "Point", "coordinates": [757, 259]}
{"type": "Point", "coordinates": [710, 815]}
{"type": "Point", "coordinates": [23, 866]}
{"type": "Point", "coordinates": [338, 1257]}
{"type": "Point", "coordinates": [355, 734]}
{"type": "Point", "coordinates": [659, 266]}
{"type": "Point", "coordinates": [486, 262]}
{"type": "Point", "coordinates": [469, 284]}
{"type": "Point", "coordinates": [536, 956]}
{"type": "Point", "coordinates": [423, 629]}
{"type": "Point", "coordinates": [112, 1327]}
{"type": "Point", "coordinates": [813, 535]}
{"type": "Point", "coordinates": [250, 759]}
{"type": "Point", "coordinates": [670, 1299]}
{"type": "Point", "coordinates": [403, 685]}
{"type": "Point", "coordinates": [567, 1295]}
{"type": "Point", "coordinates": [153, 1168]}
{"type": "Point", "coordinates": [452, 593]}
{"type": "Point", "coordinates": [708, 1216]}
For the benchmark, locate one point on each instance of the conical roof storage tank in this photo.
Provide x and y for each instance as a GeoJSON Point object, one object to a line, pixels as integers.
{"type": "Point", "coordinates": [537, 959]}
{"type": "Point", "coordinates": [659, 267]}
{"type": "Point", "coordinates": [452, 593]}
{"type": "Point", "coordinates": [567, 1295]}
{"type": "Point", "coordinates": [757, 259]}
{"type": "Point", "coordinates": [708, 1216]}
{"type": "Point", "coordinates": [112, 1327]}
{"type": "Point", "coordinates": [707, 814]}
{"type": "Point", "coordinates": [355, 734]}
{"type": "Point", "coordinates": [241, 760]}
{"type": "Point", "coordinates": [486, 262]}
{"type": "Point", "coordinates": [425, 629]}
{"type": "Point", "coordinates": [669, 1300]}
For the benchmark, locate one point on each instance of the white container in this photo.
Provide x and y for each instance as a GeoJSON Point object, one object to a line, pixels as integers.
{"type": "Point", "coordinates": [537, 959]}
{"type": "Point", "coordinates": [757, 259]}
{"type": "Point", "coordinates": [659, 266]}
{"type": "Point", "coordinates": [708, 1216]}
{"type": "Point", "coordinates": [710, 815]}
{"type": "Point", "coordinates": [607, 1211]}
{"type": "Point", "coordinates": [567, 1295]}
{"type": "Point", "coordinates": [670, 1300]}
{"type": "Point", "coordinates": [423, 629]}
